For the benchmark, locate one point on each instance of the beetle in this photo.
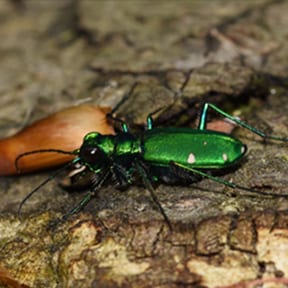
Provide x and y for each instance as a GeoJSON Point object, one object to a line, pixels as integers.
{"type": "Point", "coordinates": [170, 155]}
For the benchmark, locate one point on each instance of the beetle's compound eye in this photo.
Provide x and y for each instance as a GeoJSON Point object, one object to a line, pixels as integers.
{"type": "Point", "coordinates": [92, 150]}
{"type": "Point", "coordinates": [92, 154]}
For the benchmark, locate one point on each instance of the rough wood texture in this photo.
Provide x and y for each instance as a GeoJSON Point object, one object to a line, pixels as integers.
{"type": "Point", "coordinates": [54, 54]}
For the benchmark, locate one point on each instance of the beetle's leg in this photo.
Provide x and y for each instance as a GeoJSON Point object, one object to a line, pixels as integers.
{"type": "Point", "coordinates": [118, 105]}
{"type": "Point", "coordinates": [79, 205]}
{"type": "Point", "coordinates": [204, 112]}
{"type": "Point", "coordinates": [124, 125]}
{"type": "Point", "coordinates": [85, 200]}
{"type": "Point", "coordinates": [124, 98]}
{"type": "Point", "coordinates": [149, 119]}
{"type": "Point", "coordinates": [121, 175]}
{"type": "Point", "coordinates": [203, 122]}
{"type": "Point", "coordinates": [148, 185]}
{"type": "Point", "coordinates": [226, 183]}
{"type": "Point", "coordinates": [185, 175]}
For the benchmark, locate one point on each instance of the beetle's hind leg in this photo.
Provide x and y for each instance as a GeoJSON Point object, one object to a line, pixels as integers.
{"type": "Point", "coordinates": [252, 192]}
{"type": "Point", "coordinates": [203, 122]}
{"type": "Point", "coordinates": [178, 175]}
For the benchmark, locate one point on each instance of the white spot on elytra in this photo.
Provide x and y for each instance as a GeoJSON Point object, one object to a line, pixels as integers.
{"type": "Point", "coordinates": [204, 143]}
{"type": "Point", "coordinates": [191, 158]}
{"type": "Point", "coordinates": [243, 149]}
{"type": "Point", "coordinates": [224, 156]}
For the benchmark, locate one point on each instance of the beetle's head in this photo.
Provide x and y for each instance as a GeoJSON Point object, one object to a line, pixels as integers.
{"type": "Point", "coordinates": [92, 153]}
{"type": "Point", "coordinates": [93, 157]}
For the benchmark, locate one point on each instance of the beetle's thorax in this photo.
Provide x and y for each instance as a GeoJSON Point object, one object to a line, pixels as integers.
{"type": "Point", "coordinates": [126, 143]}
{"type": "Point", "coordinates": [114, 145]}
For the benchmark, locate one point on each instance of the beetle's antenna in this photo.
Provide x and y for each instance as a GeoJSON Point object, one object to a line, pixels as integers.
{"type": "Point", "coordinates": [51, 177]}
{"type": "Point", "coordinates": [16, 162]}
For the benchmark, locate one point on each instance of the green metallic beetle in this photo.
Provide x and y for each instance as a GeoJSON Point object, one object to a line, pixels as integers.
{"type": "Point", "coordinates": [158, 149]}
{"type": "Point", "coordinates": [170, 155]}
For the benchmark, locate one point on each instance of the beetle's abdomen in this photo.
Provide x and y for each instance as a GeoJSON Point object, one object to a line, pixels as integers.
{"type": "Point", "coordinates": [199, 149]}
